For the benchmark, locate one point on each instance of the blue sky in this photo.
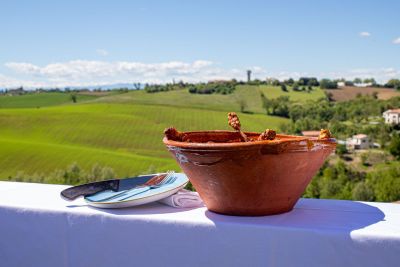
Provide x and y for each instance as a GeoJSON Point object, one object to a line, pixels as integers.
{"type": "Point", "coordinates": [60, 43]}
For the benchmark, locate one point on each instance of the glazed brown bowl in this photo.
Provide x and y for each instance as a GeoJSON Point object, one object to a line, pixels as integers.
{"type": "Point", "coordinates": [249, 178]}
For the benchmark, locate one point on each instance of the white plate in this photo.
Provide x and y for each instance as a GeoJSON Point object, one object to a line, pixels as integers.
{"type": "Point", "coordinates": [146, 197]}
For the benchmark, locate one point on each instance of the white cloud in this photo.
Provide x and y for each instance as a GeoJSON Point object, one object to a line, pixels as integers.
{"type": "Point", "coordinates": [23, 67]}
{"type": "Point", "coordinates": [397, 40]}
{"type": "Point", "coordinates": [94, 73]}
{"type": "Point", "coordinates": [9, 82]}
{"type": "Point", "coordinates": [102, 52]}
{"type": "Point", "coordinates": [85, 72]}
{"type": "Point", "coordinates": [365, 34]}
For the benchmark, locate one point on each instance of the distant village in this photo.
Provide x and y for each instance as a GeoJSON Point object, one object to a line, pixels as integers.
{"type": "Point", "coordinates": [361, 141]}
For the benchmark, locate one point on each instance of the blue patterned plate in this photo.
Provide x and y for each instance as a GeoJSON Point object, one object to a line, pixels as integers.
{"type": "Point", "coordinates": [151, 195]}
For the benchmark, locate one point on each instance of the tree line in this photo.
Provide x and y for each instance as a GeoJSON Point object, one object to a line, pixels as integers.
{"type": "Point", "coordinates": [363, 114]}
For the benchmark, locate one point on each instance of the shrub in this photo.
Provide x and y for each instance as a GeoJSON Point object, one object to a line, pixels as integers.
{"type": "Point", "coordinates": [363, 192]}
{"type": "Point", "coordinates": [328, 84]}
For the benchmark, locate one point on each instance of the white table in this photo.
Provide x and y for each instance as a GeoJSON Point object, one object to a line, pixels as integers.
{"type": "Point", "coordinates": [38, 228]}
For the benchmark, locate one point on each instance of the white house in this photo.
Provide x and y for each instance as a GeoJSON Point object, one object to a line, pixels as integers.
{"type": "Point", "coordinates": [358, 141]}
{"type": "Point", "coordinates": [363, 84]}
{"type": "Point", "coordinates": [341, 84]}
{"type": "Point", "coordinates": [392, 116]}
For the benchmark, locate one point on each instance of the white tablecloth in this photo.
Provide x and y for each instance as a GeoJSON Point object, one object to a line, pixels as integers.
{"type": "Point", "coordinates": [38, 228]}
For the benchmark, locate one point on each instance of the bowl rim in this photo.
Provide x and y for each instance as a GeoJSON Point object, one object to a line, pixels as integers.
{"type": "Point", "coordinates": [288, 139]}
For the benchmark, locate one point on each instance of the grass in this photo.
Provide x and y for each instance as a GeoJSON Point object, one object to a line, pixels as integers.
{"type": "Point", "coordinates": [35, 157]}
{"type": "Point", "coordinates": [297, 96]}
{"type": "Point", "coordinates": [123, 131]}
{"type": "Point", "coordinates": [38, 100]}
{"type": "Point", "coordinates": [124, 137]}
{"type": "Point", "coordinates": [43, 132]}
{"type": "Point", "coordinates": [178, 98]}
{"type": "Point", "coordinates": [250, 94]}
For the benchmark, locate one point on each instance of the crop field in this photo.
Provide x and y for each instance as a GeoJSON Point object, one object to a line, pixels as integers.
{"type": "Point", "coordinates": [40, 100]}
{"type": "Point", "coordinates": [248, 94]}
{"type": "Point", "coordinates": [126, 137]}
{"type": "Point", "coordinates": [298, 96]}
{"type": "Point", "coordinates": [40, 133]}
{"type": "Point", "coordinates": [350, 92]}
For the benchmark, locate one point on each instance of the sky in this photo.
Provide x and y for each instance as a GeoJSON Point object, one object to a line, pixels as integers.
{"type": "Point", "coordinates": [82, 43]}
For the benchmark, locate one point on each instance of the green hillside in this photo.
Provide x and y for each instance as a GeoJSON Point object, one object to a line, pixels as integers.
{"type": "Point", "coordinates": [275, 91]}
{"type": "Point", "coordinates": [39, 100]}
{"type": "Point", "coordinates": [249, 94]}
{"type": "Point", "coordinates": [43, 132]}
{"type": "Point", "coordinates": [124, 137]}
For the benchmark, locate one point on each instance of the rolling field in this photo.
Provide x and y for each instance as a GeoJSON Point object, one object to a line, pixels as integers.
{"type": "Point", "coordinates": [40, 100]}
{"type": "Point", "coordinates": [275, 91]}
{"type": "Point", "coordinates": [43, 132]}
{"type": "Point", "coordinates": [126, 137]}
{"type": "Point", "coordinates": [181, 98]}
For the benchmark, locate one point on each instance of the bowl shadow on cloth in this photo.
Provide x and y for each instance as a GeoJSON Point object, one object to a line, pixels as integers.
{"type": "Point", "coordinates": [313, 215]}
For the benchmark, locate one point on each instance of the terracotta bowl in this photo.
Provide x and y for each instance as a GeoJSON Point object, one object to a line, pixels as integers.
{"type": "Point", "coordinates": [249, 178]}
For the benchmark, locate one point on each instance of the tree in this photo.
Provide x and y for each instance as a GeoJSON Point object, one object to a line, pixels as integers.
{"type": "Point", "coordinates": [394, 147]}
{"type": "Point", "coordinates": [364, 159]}
{"type": "Point", "coordinates": [329, 96]}
{"type": "Point", "coordinates": [284, 88]}
{"type": "Point", "coordinates": [386, 183]}
{"type": "Point", "coordinates": [275, 82]}
{"type": "Point", "coordinates": [296, 87]}
{"type": "Point", "coordinates": [242, 104]}
{"type": "Point", "coordinates": [280, 106]}
{"type": "Point", "coordinates": [349, 83]}
{"type": "Point", "coordinates": [393, 83]}
{"type": "Point", "coordinates": [370, 80]}
{"type": "Point", "coordinates": [289, 82]}
{"type": "Point", "coordinates": [363, 192]}
{"type": "Point", "coordinates": [266, 103]}
{"type": "Point", "coordinates": [311, 81]}
{"type": "Point", "coordinates": [341, 150]}
{"type": "Point", "coordinates": [303, 81]}
{"type": "Point", "coordinates": [357, 80]}
{"type": "Point", "coordinates": [328, 84]}
{"type": "Point", "coordinates": [74, 98]}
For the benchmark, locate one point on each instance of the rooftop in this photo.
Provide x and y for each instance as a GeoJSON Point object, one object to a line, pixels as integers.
{"type": "Point", "coordinates": [360, 136]}
{"type": "Point", "coordinates": [310, 133]}
{"type": "Point", "coordinates": [397, 110]}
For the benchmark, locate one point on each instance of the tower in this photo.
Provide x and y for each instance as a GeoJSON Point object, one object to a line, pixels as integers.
{"type": "Point", "coordinates": [248, 75]}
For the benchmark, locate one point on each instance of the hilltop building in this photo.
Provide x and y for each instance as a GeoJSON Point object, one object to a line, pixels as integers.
{"type": "Point", "coordinates": [392, 116]}
{"type": "Point", "coordinates": [363, 84]}
{"type": "Point", "coordinates": [358, 141]}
